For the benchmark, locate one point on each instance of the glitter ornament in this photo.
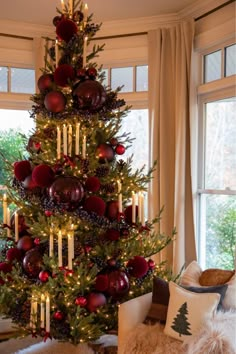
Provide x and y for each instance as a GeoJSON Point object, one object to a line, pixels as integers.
{"type": "Point", "coordinates": [43, 175]}
{"type": "Point", "coordinates": [105, 153]}
{"type": "Point", "coordinates": [32, 263]}
{"type": "Point", "coordinates": [25, 243]}
{"type": "Point", "coordinates": [138, 266]}
{"type": "Point", "coordinates": [89, 95]}
{"type": "Point", "coordinates": [63, 75]}
{"type": "Point", "coordinates": [22, 169]}
{"type": "Point", "coordinates": [66, 29]}
{"type": "Point", "coordinates": [95, 204]}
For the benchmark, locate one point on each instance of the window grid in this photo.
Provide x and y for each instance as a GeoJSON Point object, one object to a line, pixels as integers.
{"type": "Point", "coordinates": [10, 72]}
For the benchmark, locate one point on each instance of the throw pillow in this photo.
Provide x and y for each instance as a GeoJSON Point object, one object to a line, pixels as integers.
{"type": "Point", "coordinates": [214, 276]}
{"type": "Point", "coordinates": [160, 301]}
{"type": "Point", "coordinates": [191, 275]}
{"type": "Point", "coordinates": [187, 311]}
{"type": "Point", "coordinates": [220, 289]}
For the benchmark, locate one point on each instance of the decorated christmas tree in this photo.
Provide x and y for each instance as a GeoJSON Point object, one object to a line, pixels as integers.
{"type": "Point", "coordinates": [75, 242]}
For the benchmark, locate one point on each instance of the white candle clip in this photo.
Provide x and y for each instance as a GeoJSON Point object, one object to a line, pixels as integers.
{"type": "Point", "coordinates": [59, 249]}
{"type": "Point", "coordinates": [47, 314]}
{"type": "Point", "coordinates": [65, 140]}
{"type": "Point", "coordinates": [4, 204]}
{"type": "Point", "coordinates": [70, 140]}
{"type": "Point", "coordinates": [133, 208]}
{"type": "Point", "coordinates": [16, 216]}
{"type": "Point", "coordinates": [85, 51]}
{"type": "Point", "coordinates": [84, 147]}
{"type": "Point", "coordinates": [42, 311]}
{"type": "Point", "coordinates": [77, 133]}
{"type": "Point", "coordinates": [58, 143]}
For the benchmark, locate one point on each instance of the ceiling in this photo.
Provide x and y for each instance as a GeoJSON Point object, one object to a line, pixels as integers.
{"type": "Point", "coordinates": [42, 11]}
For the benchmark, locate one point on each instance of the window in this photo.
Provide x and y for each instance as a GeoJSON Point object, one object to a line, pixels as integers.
{"type": "Point", "coordinates": [217, 162]}
{"type": "Point", "coordinates": [17, 80]}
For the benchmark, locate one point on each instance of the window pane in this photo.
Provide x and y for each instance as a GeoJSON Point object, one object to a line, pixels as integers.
{"type": "Point", "coordinates": [22, 80]}
{"type": "Point", "coordinates": [212, 66]}
{"type": "Point", "coordinates": [13, 122]}
{"type": "Point", "coordinates": [230, 60]}
{"type": "Point", "coordinates": [122, 77]}
{"type": "Point", "coordinates": [217, 231]}
{"type": "Point", "coordinates": [141, 78]}
{"type": "Point", "coordinates": [220, 149]}
{"type": "Point", "coordinates": [3, 79]}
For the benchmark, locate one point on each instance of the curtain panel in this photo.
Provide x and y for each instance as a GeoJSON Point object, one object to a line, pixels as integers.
{"type": "Point", "coordinates": [170, 52]}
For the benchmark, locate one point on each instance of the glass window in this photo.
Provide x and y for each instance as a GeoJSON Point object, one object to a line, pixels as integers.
{"type": "Point", "coordinates": [230, 60]}
{"type": "Point", "coordinates": [3, 79]}
{"type": "Point", "coordinates": [122, 77]}
{"type": "Point", "coordinates": [141, 78]}
{"type": "Point", "coordinates": [220, 149]}
{"type": "Point", "coordinates": [212, 66]}
{"type": "Point", "coordinates": [22, 80]}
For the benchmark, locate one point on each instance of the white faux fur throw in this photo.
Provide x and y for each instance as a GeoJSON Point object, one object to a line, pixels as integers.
{"type": "Point", "coordinates": [218, 336]}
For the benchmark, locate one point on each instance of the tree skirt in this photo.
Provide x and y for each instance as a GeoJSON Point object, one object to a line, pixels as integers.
{"type": "Point", "coordinates": [31, 345]}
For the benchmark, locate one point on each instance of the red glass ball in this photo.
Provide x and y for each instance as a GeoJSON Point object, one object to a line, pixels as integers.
{"type": "Point", "coordinates": [25, 243]}
{"type": "Point", "coordinates": [138, 266]}
{"type": "Point", "coordinates": [118, 284]}
{"type": "Point", "coordinates": [120, 149]}
{"type": "Point", "coordinates": [32, 263]}
{"type": "Point", "coordinates": [105, 153]}
{"type": "Point", "coordinates": [58, 315]}
{"type": "Point", "coordinates": [128, 213]}
{"type": "Point", "coordinates": [81, 301]}
{"type": "Point", "coordinates": [43, 276]}
{"type": "Point", "coordinates": [56, 20]}
{"type": "Point", "coordinates": [66, 191]}
{"type": "Point", "coordinates": [66, 29]}
{"type": "Point", "coordinates": [89, 95]}
{"type": "Point", "coordinates": [151, 264]}
{"type": "Point", "coordinates": [95, 300]}
{"type": "Point", "coordinates": [92, 73]}
{"type": "Point", "coordinates": [55, 101]}
{"type": "Point", "coordinates": [102, 282]}
{"type": "Point", "coordinates": [45, 82]}
{"type": "Point", "coordinates": [63, 75]}
{"type": "Point", "coordinates": [81, 73]}
{"type": "Point", "coordinates": [112, 210]}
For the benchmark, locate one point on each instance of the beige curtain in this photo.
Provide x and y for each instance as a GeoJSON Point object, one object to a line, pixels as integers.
{"type": "Point", "coordinates": [169, 51]}
{"type": "Point", "coordinates": [39, 54]}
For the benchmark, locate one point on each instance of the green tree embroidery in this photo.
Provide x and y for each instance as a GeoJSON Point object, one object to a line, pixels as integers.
{"type": "Point", "coordinates": [180, 322]}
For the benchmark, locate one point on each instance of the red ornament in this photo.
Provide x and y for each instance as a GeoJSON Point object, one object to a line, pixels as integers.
{"type": "Point", "coordinates": [5, 267]}
{"type": "Point", "coordinates": [58, 315]}
{"type": "Point", "coordinates": [89, 95]}
{"type": "Point", "coordinates": [81, 73]}
{"type": "Point", "coordinates": [37, 241]}
{"type": "Point", "coordinates": [28, 183]}
{"type": "Point", "coordinates": [128, 213]}
{"type": "Point", "coordinates": [78, 16]}
{"type": "Point", "coordinates": [33, 144]}
{"type": "Point", "coordinates": [14, 254]}
{"type": "Point", "coordinates": [22, 227]}
{"type": "Point", "coordinates": [138, 266]}
{"type": "Point", "coordinates": [43, 175]}
{"type": "Point", "coordinates": [48, 213]}
{"type": "Point", "coordinates": [25, 243]}
{"type": "Point", "coordinates": [95, 300]}
{"type": "Point", "coordinates": [64, 74]}
{"type": "Point", "coordinates": [56, 20]}
{"type": "Point", "coordinates": [113, 141]}
{"type": "Point", "coordinates": [124, 232]}
{"type": "Point", "coordinates": [81, 301]}
{"type": "Point", "coordinates": [105, 153]}
{"type": "Point", "coordinates": [66, 29]}
{"type": "Point", "coordinates": [102, 282]}
{"type": "Point", "coordinates": [118, 284]}
{"type": "Point", "coordinates": [32, 263]}
{"type": "Point", "coordinates": [43, 276]}
{"type": "Point", "coordinates": [66, 191]}
{"type": "Point", "coordinates": [55, 101]}
{"type": "Point", "coordinates": [112, 210]}
{"type": "Point", "coordinates": [92, 73]}
{"type": "Point", "coordinates": [22, 169]}
{"type": "Point", "coordinates": [151, 264]}
{"type": "Point", "coordinates": [120, 149]}
{"type": "Point", "coordinates": [95, 204]}
{"type": "Point", "coordinates": [92, 184]}
{"type": "Point", "coordinates": [45, 82]}
{"type": "Point", "coordinates": [112, 234]}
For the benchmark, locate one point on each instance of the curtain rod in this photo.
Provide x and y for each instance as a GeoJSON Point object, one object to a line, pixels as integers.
{"type": "Point", "coordinates": [214, 10]}
{"type": "Point", "coordinates": [127, 34]}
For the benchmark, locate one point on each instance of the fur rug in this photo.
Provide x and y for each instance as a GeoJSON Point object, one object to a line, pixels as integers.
{"type": "Point", "coordinates": [216, 337]}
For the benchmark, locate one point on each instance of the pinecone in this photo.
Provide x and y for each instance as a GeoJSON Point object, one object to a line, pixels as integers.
{"type": "Point", "coordinates": [108, 188]}
{"type": "Point", "coordinates": [102, 171]}
{"type": "Point", "coordinates": [121, 164]}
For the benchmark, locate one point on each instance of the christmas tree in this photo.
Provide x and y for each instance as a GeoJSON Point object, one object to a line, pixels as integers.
{"type": "Point", "coordinates": [75, 243]}
{"type": "Point", "coordinates": [180, 322]}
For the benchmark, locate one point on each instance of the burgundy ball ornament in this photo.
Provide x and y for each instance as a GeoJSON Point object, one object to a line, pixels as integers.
{"type": "Point", "coordinates": [25, 243]}
{"type": "Point", "coordinates": [55, 101]}
{"type": "Point", "coordinates": [112, 210]}
{"type": "Point", "coordinates": [138, 266]}
{"type": "Point", "coordinates": [78, 16]}
{"type": "Point", "coordinates": [22, 169]}
{"type": "Point", "coordinates": [101, 282]}
{"type": "Point", "coordinates": [66, 191]}
{"type": "Point", "coordinates": [32, 263]}
{"type": "Point", "coordinates": [22, 227]}
{"type": "Point", "coordinates": [95, 300]}
{"type": "Point", "coordinates": [118, 284]}
{"type": "Point", "coordinates": [56, 20]}
{"type": "Point", "coordinates": [66, 29]}
{"type": "Point", "coordinates": [45, 82]}
{"type": "Point", "coordinates": [92, 184]}
{"type": "Point", "coordinates": [64, 74]}
{"type": "Point", "coordinates": [105, 153]}
{"type": "Point", "coordinates": [81, 301]}
{"type": "Point", "coordinates": [89, 95]}
{"type": "Point", "coordinates": [33, 144]}
{"type": "Point", "coordinates": [28, 183]}
{"type": "Point", "coordinates": [5, 267]}
{"type": "Point", "coordinates": [120, 149]}
{"type": "Point", "coordinates": [151, 264]}
{"type": "Point", "coordinates": [43, 175]}
{"type": "Point", "coordinates": [114, 141]}
{"type": "Point", "coordinates": [48, 213]}
{"type": "Point", "coordinates": [112, 234]}
{"type": "Point", "coordinates": [58, 315]}
{"type": "Point", "coordinates": [128, 213]}
{"type": "Point", "coordinates": [13, 254]}
{"type": "Point", "coordinates": [43, 276]}
{"type": "Point", "coordinates": [81, 73]}
{"type": "Point", "coordinates": [95, 204]}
